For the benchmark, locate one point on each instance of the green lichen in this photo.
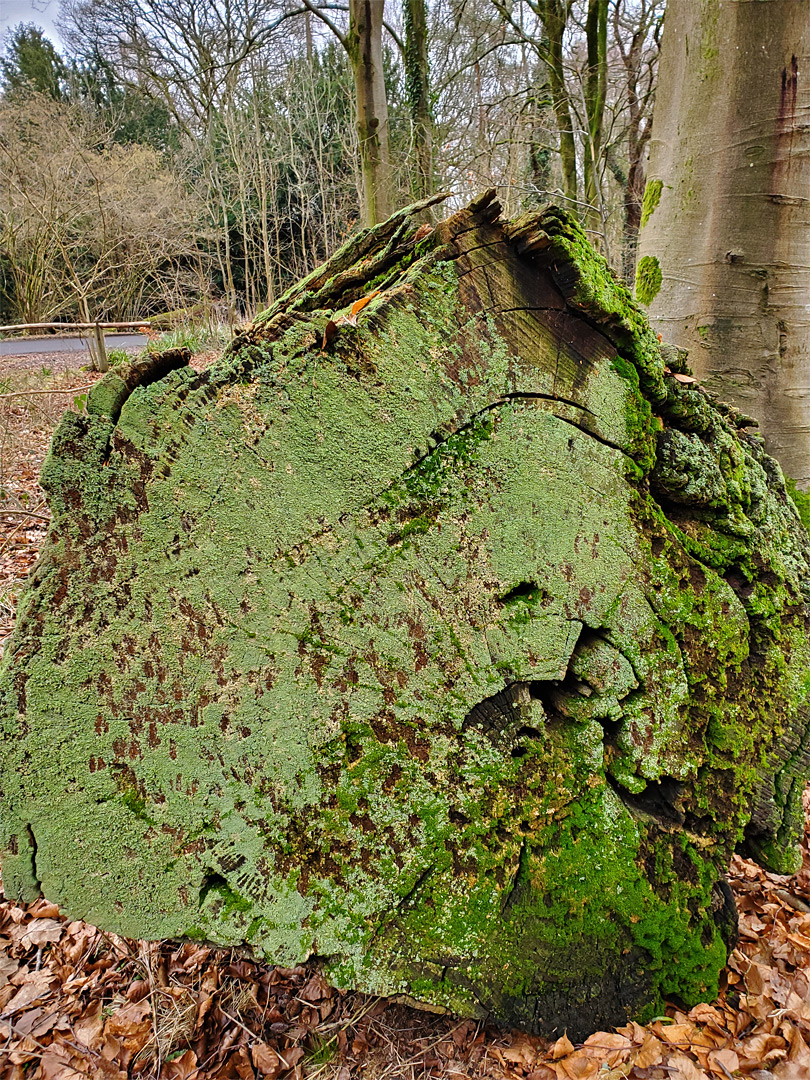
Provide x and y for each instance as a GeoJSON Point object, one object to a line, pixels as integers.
{"type": "Point", "coordinates": [456, 655]}
{"type": "Point", "coordinates": [652, 197]}
{"type": "Point", "coordinates": [648, 279]}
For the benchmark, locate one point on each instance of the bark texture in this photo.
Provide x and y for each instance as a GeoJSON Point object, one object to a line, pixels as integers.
{"type": "Point", "coordinates": [449, 643]}
{"type": "Point", "coordinates": [417, 93]}
{"type": "Point", "coordinates": [364, 45]}
{"type": "Point", "coordinates": [726, 213]}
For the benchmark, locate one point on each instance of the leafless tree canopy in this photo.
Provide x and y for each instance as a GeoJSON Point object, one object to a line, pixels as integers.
{"type": "Point", "coordinates": [219, 151]}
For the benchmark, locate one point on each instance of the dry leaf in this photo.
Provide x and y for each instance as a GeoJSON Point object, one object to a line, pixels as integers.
{"type": "Point", "coordinates": [649, 1053]}
{"type": "Point", "coordinates": [561, 1048]}
{"type": "Point", "coordinates": [55, 1064]}
{"type": "Point", "coordinates": [329, 333]}
{"type": "Point", "coordinates": [687, 1069]}
{"type": "Point", "coordinates": [316, 989]}
{"type": "Point", "coordinates": [137, 990]}
{"type": "Point", "coordinates": [42, 932]}
{"type": "Point", "coordinates": [44, 909]}
{"type": "Point", "coordinates": [181, 1068]}
{"type": "Point", "coordinates": [358, 305]}
{"type": "Point", "coordinates": [131, 1025]}
{"type": "Point", "coordinates": [32, 990]}
{"type": "Point", "coordinates": [241, 1063]}
{"type": "Point", "coordinates": [265, 1060]}
{"type": "Point", "coordinates": [577, 1067]}
{"type": "Point", "coordinates": [723, 1062]}
{"type": "Point", "coordinates": [706, 1014]}
{"type": "Point", "coordinates": [89, 1026]}
{"type": "Point", "coordinates": [675, 1034]}
{"type": "Point", "coordinates": [8, 967]}
{"type": "Point", "coordinates": [608, 1040]}
{"type": "Point", "coordinates": [293, 1055]}
{"type": "Point", "coordinates": [762, 1049]}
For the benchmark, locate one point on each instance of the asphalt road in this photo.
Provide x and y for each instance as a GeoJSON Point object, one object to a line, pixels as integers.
{"type": "Point", "coordinates": [28, 346]}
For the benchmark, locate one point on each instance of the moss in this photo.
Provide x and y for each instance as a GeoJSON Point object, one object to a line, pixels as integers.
{"type": "Point", "coordinates": [641, 425]}
{"type": "Point", "coordinates": [801, 500]}
{"type": "Point", "coordinates": [107, 396]}
{"type": "Point", "coordinates": [652, 197]}
{"type": "Point", "coordinates": [137, 806]}
{"type": "Point", "coordinates": [648, 279]}
{"type": "Point", "coordinates": [590, 286]}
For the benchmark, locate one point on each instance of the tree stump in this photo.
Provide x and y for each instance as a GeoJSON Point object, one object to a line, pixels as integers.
{"type": "Point", "coordinates": [443, 635]}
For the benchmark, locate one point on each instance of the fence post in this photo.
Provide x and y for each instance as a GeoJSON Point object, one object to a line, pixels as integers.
{"type": "Point", "coordinates": [100, 361]}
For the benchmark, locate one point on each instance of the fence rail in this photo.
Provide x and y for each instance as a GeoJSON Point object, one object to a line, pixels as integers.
{"type": "Point", "coordinates": [76, 326]}
{"type": "Point", "coordinates": [98, 352]}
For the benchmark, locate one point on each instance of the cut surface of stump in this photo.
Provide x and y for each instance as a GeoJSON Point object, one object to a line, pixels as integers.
{"type": "Point", "coordinates": [449, 641]}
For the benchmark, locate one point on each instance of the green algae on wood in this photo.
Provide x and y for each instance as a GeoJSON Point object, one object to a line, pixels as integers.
{"type": "Point", "coordinates": [454, 656]}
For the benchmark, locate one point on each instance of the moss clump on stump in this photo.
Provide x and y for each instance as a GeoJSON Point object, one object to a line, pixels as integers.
{"type": "Point", "coordinates": [452, 647]}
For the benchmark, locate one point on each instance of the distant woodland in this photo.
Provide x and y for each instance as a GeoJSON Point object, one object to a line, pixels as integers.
{"type": "Point", "coordinates": [210, 154]}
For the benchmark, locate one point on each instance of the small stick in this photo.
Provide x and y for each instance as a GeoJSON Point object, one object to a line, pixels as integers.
{"type": "Point", "coordinates": [70, 390]}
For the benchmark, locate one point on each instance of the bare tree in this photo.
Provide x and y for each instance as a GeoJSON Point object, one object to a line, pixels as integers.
{"type": "Point", "coordinates": [636, 39]}
{"type": "Point", "coordinates": [89, 227]}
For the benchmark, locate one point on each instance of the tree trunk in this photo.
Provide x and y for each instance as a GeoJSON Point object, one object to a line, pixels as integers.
{"type": "Point", "coordinates": [554, 16]}
{"type": "Point", "coordinates": [364, 46]}
{"type": "Point", "coordinates": [727, 224]}
{"type": "Point", "coordinates": [435, 635]}
{"type": "Point", "coordinates": [595, 92]}
{"type": "Point", "coordinates": [417, 91]}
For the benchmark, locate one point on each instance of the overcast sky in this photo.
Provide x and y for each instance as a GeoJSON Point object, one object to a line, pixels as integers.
{"type": "Point", "coordinates": [41, 12]}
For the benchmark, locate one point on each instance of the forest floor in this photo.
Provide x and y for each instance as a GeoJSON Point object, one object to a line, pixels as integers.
{"type": "Point", "coordinates": [77, 1002]}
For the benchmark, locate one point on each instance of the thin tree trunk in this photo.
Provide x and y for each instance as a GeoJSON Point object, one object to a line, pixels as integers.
{"type": "Point", "coordinates": [633, 194]}
{"type": "Point", "coordinates": [595, 93]}
{"type": "Point", "coordinates": [554, 18]}
{"type": "Point", "coordinates": [417, 91]}
{"type": "Point", "coordinates": [729, 241]}
{"type": "Point", "coordinates": [365, 53]}
{"type": "Point", "coordinates": [261, 167]}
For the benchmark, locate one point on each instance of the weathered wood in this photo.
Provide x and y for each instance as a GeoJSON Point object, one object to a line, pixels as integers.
{"type": "Point", "coordinates": [454, 656]}
{"type": "Point", "coordinates": [75, 326]}
{"type": "Point", "coordinates": [98, 351]}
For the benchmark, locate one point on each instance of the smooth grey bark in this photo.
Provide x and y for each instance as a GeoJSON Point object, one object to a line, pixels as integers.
{"type": "Point", "coordinates": [730, 163]}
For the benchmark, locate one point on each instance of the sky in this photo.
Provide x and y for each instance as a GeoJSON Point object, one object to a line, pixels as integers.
{"type": "Point", "coordinates": [41, 12]}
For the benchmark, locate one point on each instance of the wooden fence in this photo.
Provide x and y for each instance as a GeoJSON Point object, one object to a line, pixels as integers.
{"type": "Point", "coordinates": [98, 352]}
